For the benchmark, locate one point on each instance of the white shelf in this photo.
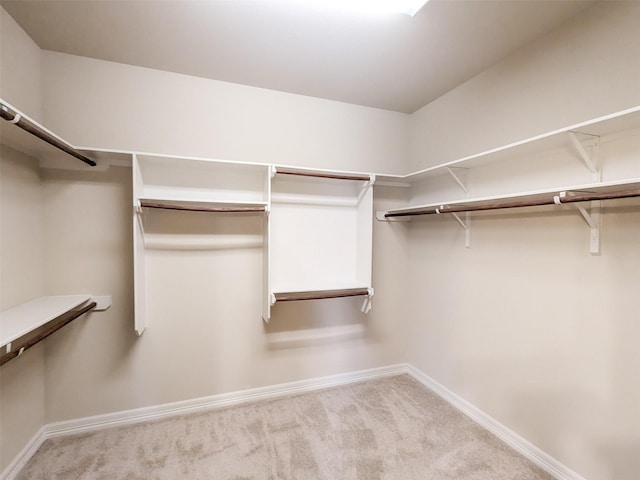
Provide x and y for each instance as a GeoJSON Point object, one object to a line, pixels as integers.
{"type": "Point", "coordinates": [19, 321]}
{"type": "Point", "coordinates": [602, 126]}
{"type": "Point", "coordinates": [199, 180]}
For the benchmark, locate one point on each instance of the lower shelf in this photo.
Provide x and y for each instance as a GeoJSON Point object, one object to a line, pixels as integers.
{"type": "Point", "coordinates": [25, 325]}
{"type": "Point", "coordinates": [18, 321]}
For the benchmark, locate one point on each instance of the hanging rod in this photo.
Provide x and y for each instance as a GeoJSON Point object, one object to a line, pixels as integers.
{"type": "Point", "coordinates": [308, 173]}
{"type": "Point", "coordinates": [553, 200]}
{"type": "Point", "coordinates": [201, 206]}
{"type": "Point", "coordinates": [320, 294]}
{"type": "Point", "coordinates": [33, 128]}
{"type": "Point", "coordinates": [53, 327]}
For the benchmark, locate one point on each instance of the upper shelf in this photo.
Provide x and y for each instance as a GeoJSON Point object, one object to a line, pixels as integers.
{"type": "Point", "coordinates": [606, 125]}
{"type": "Point", "coordinates": [21, 132]}
{"type": "Point", "coordinates": [186, 182]}
{"type": "Point", "coordinates": [19, 321]}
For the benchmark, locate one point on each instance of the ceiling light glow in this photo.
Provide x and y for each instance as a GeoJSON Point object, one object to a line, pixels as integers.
{"type": "Point", "coordinates": [406, 7]}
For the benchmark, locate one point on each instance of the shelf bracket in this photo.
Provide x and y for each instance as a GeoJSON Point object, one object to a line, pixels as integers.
{"type": "Point", "coordinates": [460, 175]}
{"type": "Point", "coordinates": [466, 225]}
{"type": "Point", "coordinates": [366, 305]}
{"type": "Point", "coordinates": [592, 217]}
{"type": "Point", "coordinates": [592, 162]}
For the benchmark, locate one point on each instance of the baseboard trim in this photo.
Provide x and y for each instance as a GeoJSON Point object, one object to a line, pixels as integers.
{"type": "Point", "coordinates": [157, 412]}
{"type": "Point", "coordinates": [512, 439]}
{"type": "Point", "coordinates": [18, 463]}
{"type": "Point", "coordinates": [212, 402]}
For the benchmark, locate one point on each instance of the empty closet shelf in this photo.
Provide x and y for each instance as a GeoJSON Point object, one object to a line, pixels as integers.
{"type": "Point", "coordinates": [37, 134]}
{"type": "Point", "coordinates": [21, 320]}
{"type": "Point", "coordinates": [199, 206]}
{"type": "Point", "coordinates": [319, 294]}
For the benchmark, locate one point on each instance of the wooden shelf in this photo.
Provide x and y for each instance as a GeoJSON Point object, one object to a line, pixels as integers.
{"type": "Point", "coordinates": [23, 319]}
{"type": "Point", "coordinates": [193, 206]}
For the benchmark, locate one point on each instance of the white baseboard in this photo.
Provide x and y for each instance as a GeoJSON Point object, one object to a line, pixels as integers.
{"type": "Point", "coordinates": [24, 456]}
{"type": "Point", "coordinates": [129, 417]}
{"type": "Point", "coordinates": [515, 441]}
{"type": "Point", "coordinates": [156, 412]}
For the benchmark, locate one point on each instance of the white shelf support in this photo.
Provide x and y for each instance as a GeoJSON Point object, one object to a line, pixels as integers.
{"type": "Point", "coordinates": [592, 162]}
{"type": "Point", "coordinates": [592, 217]}
{"type": "Point", "coordinates": [460, 176]}
{"type": "Point", "coordinates": [466, 225]}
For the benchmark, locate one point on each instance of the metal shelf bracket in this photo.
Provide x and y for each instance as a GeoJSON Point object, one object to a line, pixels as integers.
{"type": "Point", "coordinates": [591, 161]}
{"type": "Point", "coordinates": [465, 224]}
{"type": "Point", "coordinates": [461, 176]}
{"type": "Point", "coordinates": [592, 217]}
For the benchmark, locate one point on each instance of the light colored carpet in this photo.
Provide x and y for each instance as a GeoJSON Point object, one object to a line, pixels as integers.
{"type": "Point", "coordinates": [391, 428]}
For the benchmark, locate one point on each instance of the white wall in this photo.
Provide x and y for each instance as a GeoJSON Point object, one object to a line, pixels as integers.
{"type": "Point", "coordinates": [103, 104]}
{"type": "Point", "coordinates": [587, 68]}
{"type": "Point", "coordinates": [22, 405]}
{"type": "Point", "coordinates": [526, 324]}
{"type": "Point", "coordinates": [21, 243]}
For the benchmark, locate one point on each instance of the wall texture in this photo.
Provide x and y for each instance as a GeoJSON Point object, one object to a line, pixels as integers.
{"type": "Point", "coordinates": [21, 243]}
{"type": "Point", "coordinates": [526, 324]}
{"type": "Point", "coordinates": [189, 116]}
{"type": "Point", "coordinates": [587, 68]}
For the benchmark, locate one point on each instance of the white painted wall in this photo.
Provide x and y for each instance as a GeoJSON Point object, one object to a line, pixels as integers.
{"type": "Point", "coordinates": [105, 104]}
{"type": "Point", "coordinates": [588, 68]}
{"type": "Point", "coordinates": [526, 324]}
{"type": "Point", "coordinates": [21, 243]}
{"type": "Point", "coordinates": [22, 404]}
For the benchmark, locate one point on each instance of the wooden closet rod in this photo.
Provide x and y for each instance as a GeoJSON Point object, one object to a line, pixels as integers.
{"type": "Point", "coordinates": [202, 207]}
{"type": "Point", "coordinates": [27, 125]}
{"type": "Point", "coordinates": [320, 294]}
{"type": "Point", "coordinates": [461, 208]}
{"type": "Point", "coordinates": [51, 328]}
{"type": "Point", "coordinates": [306, 173]}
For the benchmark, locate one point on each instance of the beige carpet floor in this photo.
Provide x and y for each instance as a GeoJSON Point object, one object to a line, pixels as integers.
{"type": "Point", "coordinates": [392, 428]}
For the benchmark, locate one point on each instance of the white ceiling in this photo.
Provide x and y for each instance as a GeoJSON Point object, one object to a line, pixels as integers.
{"type": "Point", "coordinates": [395, 62]}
